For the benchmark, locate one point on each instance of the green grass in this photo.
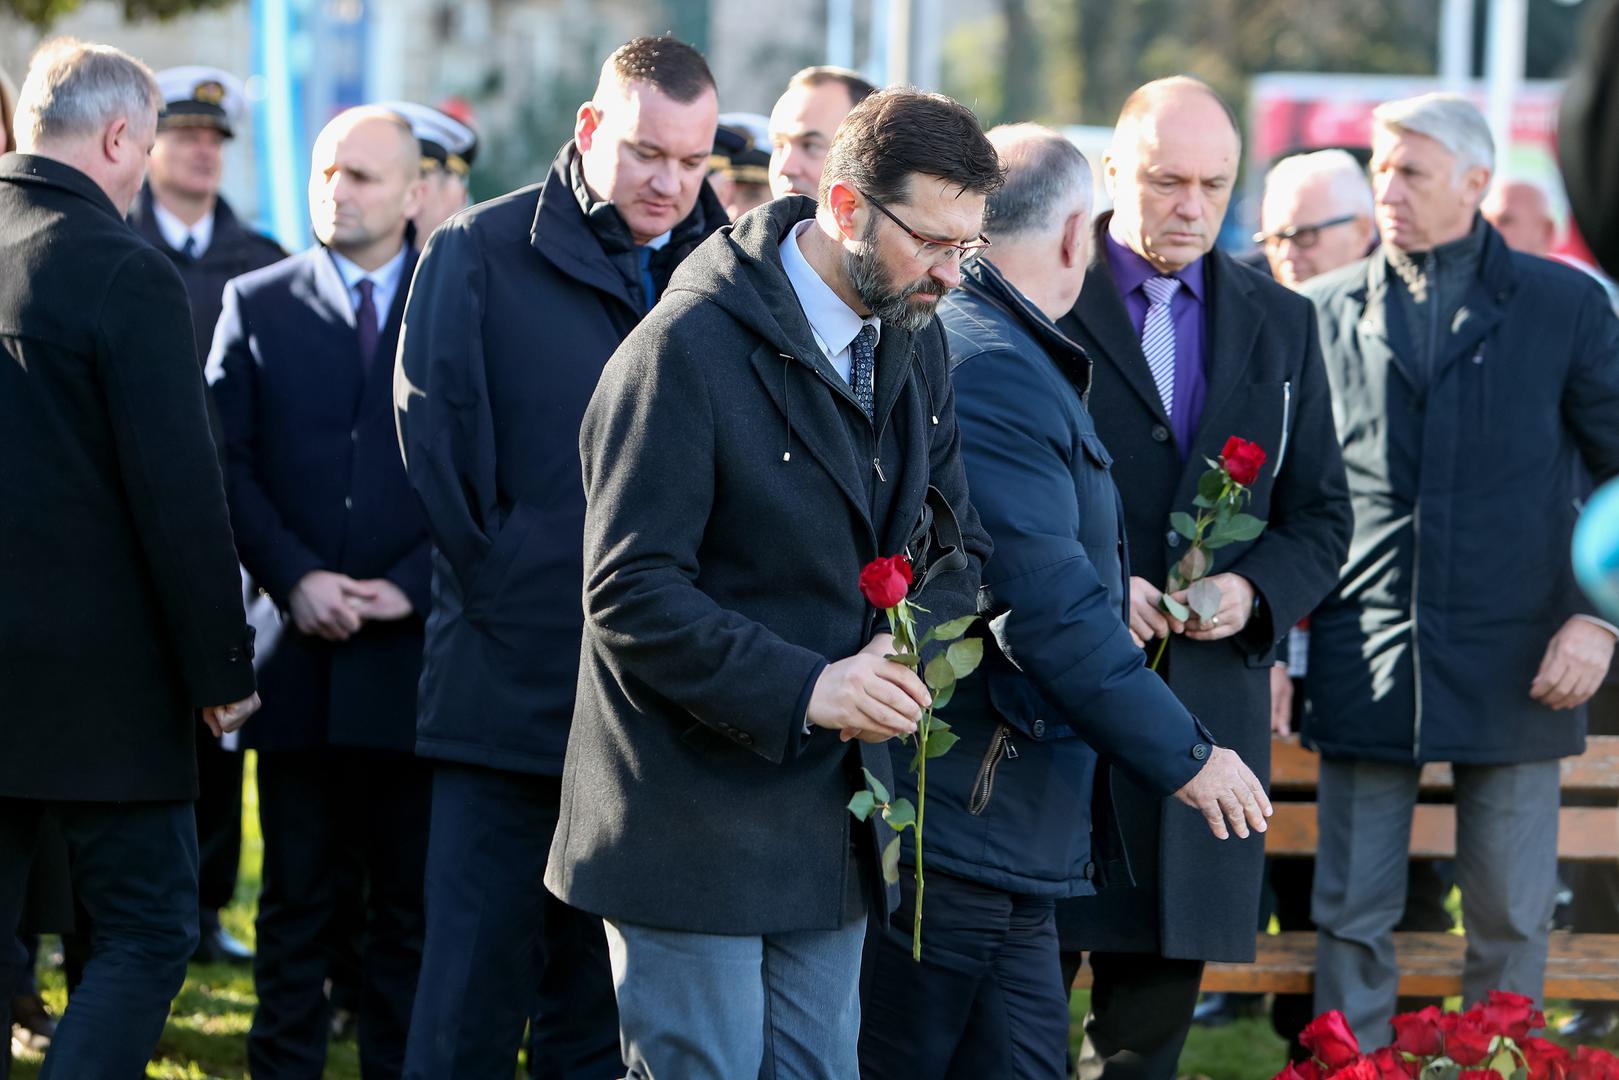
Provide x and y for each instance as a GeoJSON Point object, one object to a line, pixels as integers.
{"type": "Point", "coordinates": [206, 1036]}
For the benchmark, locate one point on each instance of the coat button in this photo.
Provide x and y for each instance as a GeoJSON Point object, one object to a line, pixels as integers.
{"type": "Point", "coordinates": [1172, 538]}
{"type": "Point", "coordinates": [1090, 871]}
{"type": "Point", "coordinates": [348, 502]}
{"type": "Point", "coordinates": [354, 436]}
{"type": "Point", "coordinates": [1038, 728]}
{"type": "Point", "coordinates": [1160, 433]}
{"type": "Point", "coordinates": [1200, 751]}
{"type": "Point", "coordinates": [744, 738]}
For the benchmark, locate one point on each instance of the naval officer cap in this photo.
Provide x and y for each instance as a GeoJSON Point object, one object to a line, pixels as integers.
{"type": "Point", "coordinates": [198, 96]}
{"type": "Point", "coordinates": [446, 142]}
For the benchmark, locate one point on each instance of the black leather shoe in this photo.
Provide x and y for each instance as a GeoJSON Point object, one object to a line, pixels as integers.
{"type": "Point", "coordinates": [1590, 1023]}
{"type": "Point", "coordinates": [219, 947]}
{"type": "Point", "coordinates": [1219, 1009]}
{"type": "Point", "coordinates": [32, 1025]}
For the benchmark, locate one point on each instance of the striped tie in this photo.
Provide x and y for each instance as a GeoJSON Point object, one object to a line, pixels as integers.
{"type": "Point", "coordinates": [1158, 337]}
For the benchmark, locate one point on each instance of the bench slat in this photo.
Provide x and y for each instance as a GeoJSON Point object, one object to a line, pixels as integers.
{"type": "Point", "coordinates": [1294, 768]}
{"type": "Point", "coordinates": [1579, 966]}
{"type": "Point", "coordinates": [1584, 833]}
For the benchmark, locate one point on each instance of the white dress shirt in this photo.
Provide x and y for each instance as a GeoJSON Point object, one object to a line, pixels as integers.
{"type": "Point", "coordinates": [384, 283]}
{"type": "Point", "coordinates": [176, 231]}
{"type": "Point", "coordinates": [833, 322]}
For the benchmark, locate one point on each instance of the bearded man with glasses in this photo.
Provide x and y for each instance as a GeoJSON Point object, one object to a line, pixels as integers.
{"type": "Point", "coordinates": [781, 418]}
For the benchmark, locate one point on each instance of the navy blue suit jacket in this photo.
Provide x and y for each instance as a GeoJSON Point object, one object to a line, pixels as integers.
{"type": "Point", "coordinates": [315, 482]}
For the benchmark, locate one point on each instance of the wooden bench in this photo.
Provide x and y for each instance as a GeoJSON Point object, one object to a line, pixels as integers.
{"type": "Point", "coordinates": [1579, 966]}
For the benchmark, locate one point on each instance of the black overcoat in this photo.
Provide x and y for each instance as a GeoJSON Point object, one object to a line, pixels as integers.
{"type": "Point", "coordinates": [1465, 488]}
{"type": "Point", "coordinates": [514, 310]}
{"type": "Point", "coordinates": [234, 250]}
{"type": "Point", "coordinates": [315, 482]}
{"type": "Point", "coordinates": [120, 600]}
{"type": "Point", "coordinates": [734, 491]}
{"type": "Point", "coordinates": [1198, 897]}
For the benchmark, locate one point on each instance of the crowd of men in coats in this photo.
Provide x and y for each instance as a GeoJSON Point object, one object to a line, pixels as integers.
{"type": "Point", "coordinates": [550, 513]}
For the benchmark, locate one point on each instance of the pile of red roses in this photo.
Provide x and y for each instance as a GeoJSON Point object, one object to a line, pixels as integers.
{"type": "Point", "coordinates": [1490, 1041]}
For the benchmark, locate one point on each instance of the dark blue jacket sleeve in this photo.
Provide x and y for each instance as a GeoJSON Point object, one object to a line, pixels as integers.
{"type": "Point", "coordinates": [1019, 441]}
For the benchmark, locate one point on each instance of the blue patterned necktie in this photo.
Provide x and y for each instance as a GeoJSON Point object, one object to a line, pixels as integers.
{"type": "Point", "coordinates": [1158, 337]}
{"type": "Point", "coordinates": [862, 365]}
{"type": "Point", "coordinates": [189, 250]}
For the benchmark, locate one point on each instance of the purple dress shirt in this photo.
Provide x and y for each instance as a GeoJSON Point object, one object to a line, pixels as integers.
{"type": "Point", "coordinates": [1191, 331]}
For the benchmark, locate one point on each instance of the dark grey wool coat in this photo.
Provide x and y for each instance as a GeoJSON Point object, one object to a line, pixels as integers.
{"type": "Point", "coordinates": [734, 491]}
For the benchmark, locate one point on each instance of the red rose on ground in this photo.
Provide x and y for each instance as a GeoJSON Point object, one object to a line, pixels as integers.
{"type": "Point", "coordinates": [1242, 460]}
{"type": "Point", "coordinates": [1593, 1064]}
{"type": "Point", "coordinates": [1478, 1074]}
{"type": "Point", "coordinates": [1513, 1015]}
{"type": "Point", "coordinates": [1328, 1037]}
{"type": "Point", "coordinates": [1418, 1032]}
{"type": "Point", "coordinates": [886, 580]}
{"type": "Point", "coordinates": [1468, 1041]}
{"type": "Point", "coordinates": [1546, 1060]}
{"type": "Point", "coordinates": [1393, 1065]}
{"type": "Point", "coordinates": [1361, 1068]}
{"type": "Point", "coordinates": [1295, 1070]}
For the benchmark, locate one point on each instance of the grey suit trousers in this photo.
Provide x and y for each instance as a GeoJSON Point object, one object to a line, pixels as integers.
{"type": "Point", "coordinates": [1506, 867]}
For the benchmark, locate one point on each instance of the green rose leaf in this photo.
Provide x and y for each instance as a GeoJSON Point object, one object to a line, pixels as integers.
{"type": "Point", "coordinates": [1204, 598]}
{"type": "Point", "coordinates": [1182, 523]}
{"type": "Point", "coordinates": [876, 786]}
{"type": "Point", "coordinates": [942, 696]}
{"type": "Point", "coordinates": [1176, 608]}
{"type": "Point", "coordinates": [1215, 540]}
{"type": "Point", "coordinates": [910, 660]}
{"type": "Point", "coordinates": [900, 813]}
{"type": "Point", "coordinates": [1193, 565]}
{"type": "Point", "coordinates": [891, 862]}
{"type": "Point", "coordinates": [1243, 527]}
{"type": "Point", "coordinates": [940, 742]}
{"type": "Point", "coordinates": [1211, 483]}
{"type": "Point", "coordinates": [863, 803]}
{"type": "Point", "coordinates": [964, 656]}
{"type": "Point", "coordinates": [939, 673]}
{"type": "Point", "coordinates": [1203, 504]}
{"type": "Point", "coordinates": [949, 631]}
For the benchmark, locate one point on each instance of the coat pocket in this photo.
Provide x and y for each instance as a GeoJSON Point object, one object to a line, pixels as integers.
{"type": "Point", "coordinates": [1000, 749]}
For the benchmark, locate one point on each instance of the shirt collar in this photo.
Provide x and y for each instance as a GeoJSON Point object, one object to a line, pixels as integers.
{"type": "Point", "coordinates": [384, 278]}
{"type": "Point", "coordinates": [1130, 270]}
{"type": "Point", "coordinates": [834, 323]}
{"type": "Point", "coordinates": [175, 231]}
{"type": "Point", "coordinates": [657, 243]}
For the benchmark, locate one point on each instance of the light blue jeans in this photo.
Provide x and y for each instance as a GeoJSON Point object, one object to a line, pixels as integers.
{"type": "Point", "coordinates": [717, 1007]}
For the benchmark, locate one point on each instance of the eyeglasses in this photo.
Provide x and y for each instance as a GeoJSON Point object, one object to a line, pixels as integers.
{"type": "Point", "coordinates": [932, 250]}
{"type": "Point", "coordinates": [1302, 236]}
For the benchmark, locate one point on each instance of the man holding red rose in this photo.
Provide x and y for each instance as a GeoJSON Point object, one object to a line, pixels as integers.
{"type": "Point", "coordinates": [1470, 384]}
{"type": "Point", "coordinates": [1190, 348]}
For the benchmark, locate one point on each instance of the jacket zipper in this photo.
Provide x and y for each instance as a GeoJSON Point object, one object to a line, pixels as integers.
{"type": "Point", "coordinates": [1000, 746]}
{"type": "Point", "coordinates": [1416, 522]}
{"type": "Point", "coordinates": [1287, 412]}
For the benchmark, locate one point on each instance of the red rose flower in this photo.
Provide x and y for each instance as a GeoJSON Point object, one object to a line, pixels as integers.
{"type": "Point", "coordinates": [1468, 1041]}
{"type": "Point", "coordinates": [1513, 1015]}
{"type": "Point", "coordinates": [1295, 1070]}
{"type": "Point", "coordinates": [1546, 1060]}
{"type": "Point", "coordinates": [1393, 1065]}
{"type": "Point", "coordinates": [1360, 1068]}
{"type": "Point", "coordinates": [1242, 460]}
{"type": "Point", "coordinates": [886, 580]}
{"type": "Point", "coordinates": [1478, 1074]}
{"type": "Point", "coordinates": [1593, 1064]}
{"type": "Point", "coordinates": [1418, 1032]}
{"type": "Point", "coordinates": [1328, 1037]}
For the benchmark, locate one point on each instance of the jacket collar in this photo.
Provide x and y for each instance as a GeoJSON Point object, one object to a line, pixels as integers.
{"type": "Point", "coordinates": [48, 172]}
{"type": "Point", "coordinates": [143, 216]}
{"type": "Point", "coordinates": [984, 280]}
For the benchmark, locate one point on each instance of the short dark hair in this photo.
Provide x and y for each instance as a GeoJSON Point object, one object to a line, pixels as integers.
{"type": "Point", "coordinates": [666, 63]}
{"type": "Point", "coordinates": [900, 131]}
{"type": "Point", "coordinates": [822, 74]}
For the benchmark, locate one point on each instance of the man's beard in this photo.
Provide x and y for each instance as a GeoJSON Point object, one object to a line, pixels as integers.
{"type": "Point", "coordinates": [889, 302]}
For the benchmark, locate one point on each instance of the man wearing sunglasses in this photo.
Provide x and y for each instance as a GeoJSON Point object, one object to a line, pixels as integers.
{"type": "Point", "coordinates": [1316, 215]}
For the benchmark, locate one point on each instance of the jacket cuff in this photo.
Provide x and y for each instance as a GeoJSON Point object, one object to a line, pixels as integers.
{"type": "Point", "coordinates": [806, 730]}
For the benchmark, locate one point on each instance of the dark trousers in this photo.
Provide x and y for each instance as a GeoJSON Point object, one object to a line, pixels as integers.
{"type": "Point", "coordinates": [134, 868]}
{"type": "Point", "coordinates": [311, 805]}
{"type": "Point", "coordinates": [987, 998]}
{"type": "Point", "coordinates": [500, 948]}
{"type": "Point", "coordinates": [219, 824]}
{"type": "Point", "coordinates": [1141, 1011]}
